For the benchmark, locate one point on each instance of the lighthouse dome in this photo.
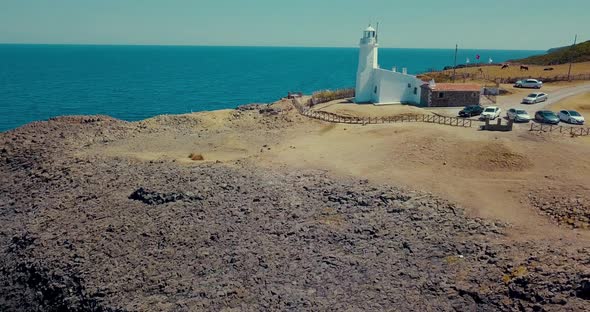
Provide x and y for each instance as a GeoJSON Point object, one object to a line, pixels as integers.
{"type": "Point", "coordinates": [370, 28]}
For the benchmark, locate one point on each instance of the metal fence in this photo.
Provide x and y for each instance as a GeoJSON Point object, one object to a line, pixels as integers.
{"type": "Point", "coordinates": [544, 79]}
{"type": "Point", "coordinates": [574, 131]}
{"type": "Point", "coordinates": [485, 76]}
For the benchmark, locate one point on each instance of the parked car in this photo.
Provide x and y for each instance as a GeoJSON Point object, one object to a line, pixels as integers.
{"type": "Point", "coordinates": [529, 83]}
{"type": "Point", "coordinates": [471, 110]}
{"type": "Point", "coordinates": [518, 115]}
{"type": "Point", "coordinates": [535, 98]}
{"type": "Point", "coordinates": [571, 116]}
{"type": "Point", "coordinates": [491, 112]}
{"type": "Point", "coordinates": [546, 116]}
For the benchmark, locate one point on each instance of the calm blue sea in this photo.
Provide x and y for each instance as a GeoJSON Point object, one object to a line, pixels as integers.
{"type": "Point", "coordinates": [136, 82]}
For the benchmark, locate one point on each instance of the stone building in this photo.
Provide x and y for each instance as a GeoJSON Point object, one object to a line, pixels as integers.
{"type": "Point", "coordinates": [449, 94]}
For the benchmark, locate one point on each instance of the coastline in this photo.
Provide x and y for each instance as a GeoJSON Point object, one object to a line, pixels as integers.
{"type": "Point", "coordinates": [135, 83]}
{"type": "Point", "coordinates": [282, 212]}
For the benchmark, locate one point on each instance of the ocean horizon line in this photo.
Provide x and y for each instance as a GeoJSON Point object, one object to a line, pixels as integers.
{"type": "Point", "coordinates": [250, 46]}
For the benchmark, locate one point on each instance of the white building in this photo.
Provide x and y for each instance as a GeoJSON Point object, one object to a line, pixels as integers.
{"type": "Point", "coordinates": [380, 86]}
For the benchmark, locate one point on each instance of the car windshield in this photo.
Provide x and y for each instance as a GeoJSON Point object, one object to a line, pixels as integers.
{"type": "Point", "coordinates": [548, 114]}
{"type": "Point", "coordinates": [521, 112]}
{"type": "Point", "coordinates": [490, 110]}
{"type": "Point", "coordinates": [532, 95]}
{"type": "Point", "coordinates": [574, 113]}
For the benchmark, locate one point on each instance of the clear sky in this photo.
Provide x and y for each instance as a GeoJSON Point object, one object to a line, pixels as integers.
{"type": "Point", "coordinates": [492, 24]}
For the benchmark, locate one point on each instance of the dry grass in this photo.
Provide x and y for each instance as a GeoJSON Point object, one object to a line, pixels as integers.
{"type": "Point", "coordinates": [330, 95]}
{"type": "Point", "coordinates": [579, 103]}
{"type": "Point", "coordinates": [195, 156]}
{"type": "Point", "coordinates": [535, 71]}
{"type": "Point", "coordinates": [519, 271]}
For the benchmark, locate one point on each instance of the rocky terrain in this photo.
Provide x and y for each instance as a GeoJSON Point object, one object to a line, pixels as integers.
{"type": "Point", "coordinates": [83, 232]}
{"type": "Point", "coordinates": [563, 208]}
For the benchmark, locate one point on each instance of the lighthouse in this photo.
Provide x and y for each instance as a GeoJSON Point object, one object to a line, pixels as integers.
{"type": "Point", "coordinates": [380, 86]}
{"type": "Point", "coordinates": [364, 89]}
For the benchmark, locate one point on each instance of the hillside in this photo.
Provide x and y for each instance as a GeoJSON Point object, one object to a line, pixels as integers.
{"type": "Point", "coordinates": [579, 53]}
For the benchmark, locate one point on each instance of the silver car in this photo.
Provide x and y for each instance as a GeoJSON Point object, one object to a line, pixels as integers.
{"type": "Point", "coordinates": [535, 98]}
{"type": "Point", "coordinates": [571, 116]}
{"type": "Point", "coordinates": [529, 83]}
{"type": "Point", "coordinates": [518, 115]}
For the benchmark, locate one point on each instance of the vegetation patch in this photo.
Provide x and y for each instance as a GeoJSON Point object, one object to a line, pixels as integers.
{"type": "Point", "coordinates": [577, 54]}
{"type": "Point", "coordinates": [520, 271]}
{"type": "Point", "coordinates": [331, 95]}
{"type": "Point", "coordinates": [195, 156]}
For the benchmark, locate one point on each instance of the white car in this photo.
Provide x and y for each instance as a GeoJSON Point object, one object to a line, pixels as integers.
{"type": "Point", "coordinates": [535, 98]}
{"type": "Point", "coordinates": [529, 83]}
{"type": "Point", "coordinates": [491, 112]}
{"type": "Point", "coordinates": [518, 115]}
{"type": "Point", "coordinates": [571, 116]}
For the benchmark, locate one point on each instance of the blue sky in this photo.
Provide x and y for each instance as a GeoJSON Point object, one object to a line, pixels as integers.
{"type": "Point", "coordinates": [493, 24]}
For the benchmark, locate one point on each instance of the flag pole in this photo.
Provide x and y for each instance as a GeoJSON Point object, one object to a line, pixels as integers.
{"type": "Point", "coordinates": [455, 64]}
{"type": "Point", "coordinates": [569, 71]}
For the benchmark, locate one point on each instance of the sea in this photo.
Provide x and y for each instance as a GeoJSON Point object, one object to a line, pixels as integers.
{"type": "Point", "coordinates": [38, 82]}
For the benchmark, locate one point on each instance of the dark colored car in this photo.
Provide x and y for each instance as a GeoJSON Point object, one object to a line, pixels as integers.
{"type": "Point", "coordinates": [546, 116]}
{"type": "Point", "coordinates": [471, 110]}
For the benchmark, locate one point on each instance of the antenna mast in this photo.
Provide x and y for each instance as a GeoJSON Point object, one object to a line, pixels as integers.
{"type": "Point", "coordinates": [377, 33]}
{"type": "Point", "coordinates": [570, 68]}
{"type": "Point", "coordinates": [455, 63]}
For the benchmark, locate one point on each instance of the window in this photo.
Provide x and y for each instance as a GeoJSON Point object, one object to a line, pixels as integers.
{"type": "Point", "coordinates": [409, 85]}
{"type": "Point", "coordinates": [375, 91]}
{"type": "Point", "coordinates": [415, 90]}
{"type": "Point", "coordinates": [441, 95]}
{"type": "Point", "coordinates": [474, 94]}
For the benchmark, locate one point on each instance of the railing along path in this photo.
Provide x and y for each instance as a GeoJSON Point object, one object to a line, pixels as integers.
{"type": "Point", "coordinates": [335, 118]}
{"type": "Point", "coordinates": [579, 131]}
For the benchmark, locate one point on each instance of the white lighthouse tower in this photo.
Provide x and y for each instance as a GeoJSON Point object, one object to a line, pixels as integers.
{"type": "Point", "coordinates": [367, 64]}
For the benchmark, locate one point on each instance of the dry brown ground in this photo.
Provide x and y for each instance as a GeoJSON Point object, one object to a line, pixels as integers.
{"type": "Point", "coordinates": [490, 174]}
{"type": "Point", "coordinates": [346, 108]}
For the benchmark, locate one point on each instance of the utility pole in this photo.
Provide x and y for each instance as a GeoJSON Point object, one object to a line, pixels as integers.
{"type": "Point", "coordinates": [455, 63]}
{"type": "Point", "coordinates": [377, 33]}
{"type": "Point", "coordinates": [569, 71]}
